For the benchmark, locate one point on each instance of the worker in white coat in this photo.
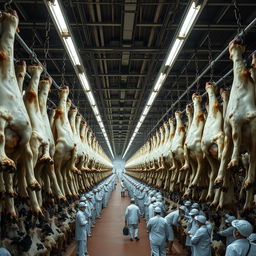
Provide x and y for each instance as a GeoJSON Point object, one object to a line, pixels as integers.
{"type": "Point", "coordinates": [147, 203]}
{"type": "Point", "coordinates": [151, 208]}
{"type": "Point", "coordinates": [141, 198]}
{"type": "Point", "coordinates": [196, 206]}
{"type": "Point", "coordinates": [132, 219]}
{"type": "Point", "coordinates": [158, 233]}
{"type": "Point", "coordinates": [241, 246]}
{"type": "Point", "coordinates": [98, 199]}
{"type": "Point", "coordinates": [201, 240]}
{"type": "Point", "coordinates": [191, 228]}
{"type": "Point", "coordinates": [81, 234]}
{"type": "Point", "coordinates": [172, 219]}
{"type": "Point", "coordinates": [228, 232]}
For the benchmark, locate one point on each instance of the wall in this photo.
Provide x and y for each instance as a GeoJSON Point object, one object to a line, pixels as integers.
{"type": "Point", "coordinates": [118, 165]}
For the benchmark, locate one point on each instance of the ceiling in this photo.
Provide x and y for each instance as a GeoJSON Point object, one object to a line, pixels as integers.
{"type": "Point", "coordinates": [122, 44]}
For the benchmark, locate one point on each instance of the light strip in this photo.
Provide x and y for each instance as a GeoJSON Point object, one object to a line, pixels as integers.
{"type": "Point", "coordinates": [175, 47]}
{"type": "Point", "coordinates": [61, 24]}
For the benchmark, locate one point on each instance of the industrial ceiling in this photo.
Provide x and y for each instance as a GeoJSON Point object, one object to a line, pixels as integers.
{"type": "Point", "coordinates": [122, 45]}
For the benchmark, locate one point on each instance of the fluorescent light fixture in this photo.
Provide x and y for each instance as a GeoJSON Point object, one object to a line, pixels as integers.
{"type": "Point", "coordinates": [146, 110]}
{"type": "Point", "coordinates": [151, 98]}
{"type": "Point", "coordinates": [189, 20]}
{"type": "Point", "coordinates": [71, 50]}
{"type": "Point", "coordinates": [91, 98]}
{"type": "Point", "coordinates": [84, 82]}
{"type": "Point", "coordinates": [58, 17]}
{"type": "Point", "coordinates": [159, 82]}
{"type": "Point", "coordinates": [142, 118]}
{"type": "Point", "coordinates": [173, 52]}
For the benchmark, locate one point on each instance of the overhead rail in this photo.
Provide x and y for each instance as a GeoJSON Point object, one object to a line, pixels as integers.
{"type": "Point", "coordinates": [61, 23]}
{"type": "Point", "coordinates": [201, 75]}
{"type": "Point", "coordinates": [187, 22]}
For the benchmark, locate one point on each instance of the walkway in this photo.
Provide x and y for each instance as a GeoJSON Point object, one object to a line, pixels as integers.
{"type": "Point", "coordinates": [107, 238]}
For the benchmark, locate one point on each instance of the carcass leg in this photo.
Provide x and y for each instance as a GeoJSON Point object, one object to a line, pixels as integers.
{"type": "Point", "coordinates": [8, 181]}
{"type": "Point", "coordinates": [5, 162]}
{"type": "Point", "coordinates": [236, 137]}
{"type": "Point", "coordinates": [214, 171]}
{"type": "Point", "coordinates": [225, 157]}
{"type": "Point", "coordinates": [186, 156]}
{"type": "Point", "coordinates": [2, 186]}
{"type": "Point", "coordinates": [58, 159]}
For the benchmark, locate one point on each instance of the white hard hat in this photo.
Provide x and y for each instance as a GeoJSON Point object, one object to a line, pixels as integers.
{"type": "Point", "coordinates": [193, 212]}
{"type": "Point", "coordinates": [201, 219]}
{"type": "Point", "coordinates": [187, 203]}
{"type": "Point", "coordinates": [153, 199]}
{"type": "Point", "coordinates": [243, 227]}
{"type": "Point", "coordinates": [195, 205]}
{"type": "Point", "coordinates": [82, 204]}
{"type": "Point", "coordinates": [226, 215]}
{"type": "Point", "coordinates": [230, 219]}
{"type": "Point", "coordinates": [183, 208]}
{"type": "Point", "coordinates": [252, 237]}
{"type": "Point", "coordinates": [157, 210]}
{"type": "Point", "coordinates": [82, 198]}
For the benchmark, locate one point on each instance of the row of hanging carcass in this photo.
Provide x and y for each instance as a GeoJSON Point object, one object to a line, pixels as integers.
{"type": "Point", "coordinates": [211, 156]}
{"type": "Point", "coordinates": [44, 162]}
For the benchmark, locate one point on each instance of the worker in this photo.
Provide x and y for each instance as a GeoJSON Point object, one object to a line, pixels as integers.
{"type": "Point", "coordinates": [172, 220]}
{"type": "Point", "coordinates": [252, 238]}
{"type": "Point", "coordinates": [132, 219]}
{"type": "Point", "coordinates": [228, 232]}
{"type": "Point", "coordinates": [87, 214]}
{"type": "Point", "coordinates": [141, 198]}
{"type": "Point", "coordinates": [201, 240]}
{"type": "Point", "coordinates": [98, 199]}
{"type": "Point", "coordinates": [81, 234]}
{"type": "Point", "coordinates": [187, 204]}
{"type": "Point", "coordinates": [122, 188]}
{"type": "Point", "coordinates": [158, 233]}
{"type": "Point", "coordinates": [160, 204]}
{"type": "Point", "coordinates": [241, 246]}
{"type": "Point", "coordinates": [196, 206]}
{"type": "Point", "coordinates": [147, 203]}
{"type": "Point", "coordinates": [151, 208]}
{"type": "Point", "coordinates": [4, 252]}
{"type": "Point", "coordinates": [191, 228]}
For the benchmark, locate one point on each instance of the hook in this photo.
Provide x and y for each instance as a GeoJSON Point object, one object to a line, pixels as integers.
{"type": "Point", "coordinates": [7, 4]}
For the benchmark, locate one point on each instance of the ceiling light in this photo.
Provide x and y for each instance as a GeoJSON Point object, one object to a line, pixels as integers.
{"type": "Point", "coordinates": [189, 20]}
{"type": "Point", "coordinates": [174, 51]}
{"type": "Point", "coordinates": [151, 98]}
{"type": "Point", "coordinates": [159, 82]}
{"type": "Point", "coordinates": [84, 81]}
{"type": "Point", "coordinates": [71, 50]}
{"type": "Point", "coordinates": [58, 17]}
{"type": "Point", "coordinates": [91, 98]}
{"type": "Point", "coordinates": [146, 110]}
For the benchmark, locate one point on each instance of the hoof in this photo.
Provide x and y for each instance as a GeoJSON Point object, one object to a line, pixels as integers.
{"type": "Point", "coordinates": [233, 165]}
{"type": "Point", "coordinates": [218, 182]}
{"type": "Point", "coordinates": [7, 165]}
{"type": "Point", "coordinates": [10, 194]}
{"type": "Point", "coordinates": [46, 159]}
{"type": "Point", "coordinates": [247, 185]}
{"type": "Point", "coordinates": [35, 186]}
{"type": "Point", "coordinates": [184, 168]}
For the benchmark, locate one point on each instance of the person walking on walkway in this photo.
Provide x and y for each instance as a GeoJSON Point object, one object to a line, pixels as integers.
{"type": "Point", "coordinates": [81, 234]}
{"type": "Point", "coordinates": [132, 219]}
{"type": "Point", "coordinates": [158, 233]}
{"type": "Point", "coordinates": [122, 188]}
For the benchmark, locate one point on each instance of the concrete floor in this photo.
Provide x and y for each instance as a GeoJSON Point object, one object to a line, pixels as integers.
{"type": "Point", "coordinates": [107, 238]}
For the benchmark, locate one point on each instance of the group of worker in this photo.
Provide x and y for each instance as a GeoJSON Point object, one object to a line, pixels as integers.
{"type": "Point", "coordinates": [147, 202]}
{"type": "Point", "coordinates": [89, 209]}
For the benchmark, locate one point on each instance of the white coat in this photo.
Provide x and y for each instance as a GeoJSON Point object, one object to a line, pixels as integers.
{"type": "Point", "coordinates": [158, 230]}
{"type": "Point", "coordinates": [228, 233]}
{"type": "Point", "coordinates": [192, 228]}
{"type": "Point", "coordinates": [240, 248]}
{"type": "Point", "coordinates": [132, 214]}
{"type": "Point", "coordinates": [81, 222]}
{"type": "Point", "coordinates": [151, 209]}
{"type": "Point", "coordinates": [172, 219]}
{"type": "Point", "coordinates": [201, 242]}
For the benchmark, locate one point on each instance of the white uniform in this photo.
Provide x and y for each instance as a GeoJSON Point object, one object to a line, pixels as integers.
{"type": "Point", "coordinates": [240, 247]}
{"type": "Point", "coordinates": [132, 216]}
{"type": "Point", "coordinates": [201, 242]}
{"type": "Point", "coordinates": [81, 234]}
{"type": "Point", "coordinates": [228, 233]}
{"type": "Point", "coordinates": [172, 219]}
{"type": "Point", "coordinates": [158, 234]}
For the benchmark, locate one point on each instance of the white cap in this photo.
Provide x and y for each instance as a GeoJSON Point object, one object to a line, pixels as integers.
{"type": "Point", "coordinates": [252, 237]}
{"type": "Point", "coordinates": [187, 203]}
{"type": "Point", "coordinates": [193, 212]}
{"type": "Point", "coordinates": [243, 227]}
{"type": "Point", "coordinates": [157, 210]}
{"type": "Point", "coordinates": [201, 219]}
{"type": "Point", "coordinates": [195, 205]}
{"type": "Point", "coordinates": [82, 204]}
{"type": "Point", "coordinates": [82, 198]}
{"type": "Point", "coordinates": [226, 215]}
{"type": "Point", "coordinates": [183, 208]}
{"type": "Point", "coordinates": [153, 199]}
{"type": "Point", "coordinates": [230, 219]}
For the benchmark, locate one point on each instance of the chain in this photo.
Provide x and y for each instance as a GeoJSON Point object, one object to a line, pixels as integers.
{"type": "Point", "coordinates": [210, 56]}
{"type": "Point", "coordinates": [238, 18]}
{"type": "Point", "coordinates": [63, 69]}
{"type": "Point", "coordinates": [46, 42]}
{"type": "Point", "coordinates": [197, 73]}
{"type": "Point", "coordinates": [7, 4]}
